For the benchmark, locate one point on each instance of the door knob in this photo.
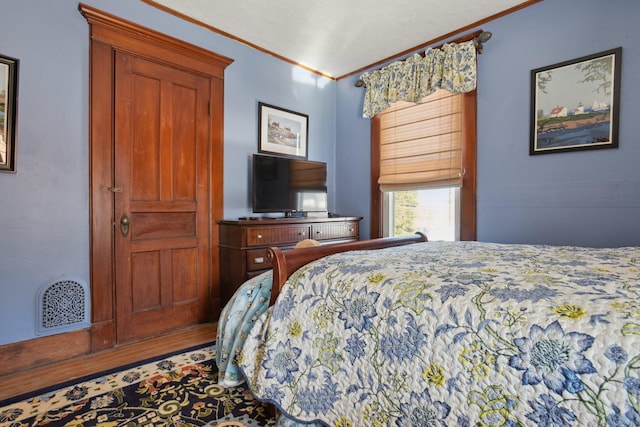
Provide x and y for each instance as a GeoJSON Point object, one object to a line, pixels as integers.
{"type": "Point", "coordinates": [124, 225]}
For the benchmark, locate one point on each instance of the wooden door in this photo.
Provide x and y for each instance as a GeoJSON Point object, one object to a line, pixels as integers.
{"type": "Point", "coordinates": [162, 187]}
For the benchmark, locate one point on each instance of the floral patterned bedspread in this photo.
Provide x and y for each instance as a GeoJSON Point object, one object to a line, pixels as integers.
{"type": "Point", "coordinates": [455, 333]}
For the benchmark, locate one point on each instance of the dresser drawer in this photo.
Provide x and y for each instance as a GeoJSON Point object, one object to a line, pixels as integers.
{"type": "Point", "coordinates": [343, 230]}
{"type": "Point", "coordinates": [274, 236]}
{"type": "Point", "coordinates": [257, 259]}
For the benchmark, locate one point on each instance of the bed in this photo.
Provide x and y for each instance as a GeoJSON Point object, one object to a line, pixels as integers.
{"type": "Point", "coordinates": [450, 333]}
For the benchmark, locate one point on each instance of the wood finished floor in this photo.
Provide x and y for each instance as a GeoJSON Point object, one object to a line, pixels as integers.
{"type": "Point", "coordinates": [56, 373]}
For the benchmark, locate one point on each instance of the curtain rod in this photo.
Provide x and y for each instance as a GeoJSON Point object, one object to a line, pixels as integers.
{"type": "Point", "coordinates": [478, 41]}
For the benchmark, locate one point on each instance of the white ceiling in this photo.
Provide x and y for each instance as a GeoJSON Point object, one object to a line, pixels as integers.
{"type": "Point", "coordinates": [337, 37]}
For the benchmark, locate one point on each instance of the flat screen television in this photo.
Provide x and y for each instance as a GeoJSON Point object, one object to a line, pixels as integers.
{"type": "Point", "coordinates": [287, 185]}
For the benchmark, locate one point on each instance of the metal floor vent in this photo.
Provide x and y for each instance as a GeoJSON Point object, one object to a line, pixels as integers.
{"type": "Point", "coordinates": [63, 305]}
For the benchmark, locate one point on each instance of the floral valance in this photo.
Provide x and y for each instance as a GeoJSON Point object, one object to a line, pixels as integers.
{"type": "Point", "coordinates": [452, 67]}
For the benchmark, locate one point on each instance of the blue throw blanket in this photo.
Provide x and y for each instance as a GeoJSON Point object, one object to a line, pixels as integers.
{"type": "Point", "coordinates": [236, 320]}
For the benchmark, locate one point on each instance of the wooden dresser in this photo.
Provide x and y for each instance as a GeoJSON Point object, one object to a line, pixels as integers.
{"type": "Point", "coordinates": [243, 243]}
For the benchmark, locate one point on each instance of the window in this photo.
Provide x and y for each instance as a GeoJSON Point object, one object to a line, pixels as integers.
{"type": "Point", "coordinates": [434, 212]}
{"type": "Point", "coordinates": [423, 168]}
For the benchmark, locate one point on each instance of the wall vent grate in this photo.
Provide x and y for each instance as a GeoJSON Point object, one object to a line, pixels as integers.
{"type": "Point", "coordinates": [63, 305]}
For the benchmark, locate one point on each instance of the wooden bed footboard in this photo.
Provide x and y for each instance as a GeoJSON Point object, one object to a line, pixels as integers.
{"type": "Point", "coordinates": [286, 261]}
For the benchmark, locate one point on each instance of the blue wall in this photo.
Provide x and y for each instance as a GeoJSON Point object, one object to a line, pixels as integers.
{"type": "Point", "coordinates": [590, 198]}
{"type": "Point", "coordinates": [585, 198]}
{"type": "Point", "coordinates": [45, 205]}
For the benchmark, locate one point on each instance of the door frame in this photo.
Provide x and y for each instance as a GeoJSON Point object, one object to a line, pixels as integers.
{"type": "Point", "coordinates": [109, 33]}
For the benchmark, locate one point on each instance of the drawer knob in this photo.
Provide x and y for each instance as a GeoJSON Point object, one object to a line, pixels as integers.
{"type": "Point", "coordinates": [259, 260]}
{"type": "Point", "coordinates": [259, 236]}
{"type": "Point", "coordinates": [301, 233]}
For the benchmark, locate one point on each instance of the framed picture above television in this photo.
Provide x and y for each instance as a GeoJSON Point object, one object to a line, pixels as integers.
{"type": "Point", "coordinates": [282, 132]}
{"type": "Point", "coordinates": [575, 104]}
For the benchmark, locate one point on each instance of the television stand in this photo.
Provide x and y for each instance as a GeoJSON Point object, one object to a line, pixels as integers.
{"type": "Point", "coordinates": [244, 243]}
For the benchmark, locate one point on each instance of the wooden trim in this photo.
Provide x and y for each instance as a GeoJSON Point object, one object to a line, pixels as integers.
{"type": "Point", "coordinates": [232, 37]}
{"type": "Point", "coordinates": [216, 198]}
{"type": "Point", "coordinates": [29, 354]}
{"type": "Point", "coordinates": [441, 38]}
{"type": "Point", "coordinates": [359, 70]}
{"type": "Point", "coordinates": [128, 36]}
{"type": "Point", "coordinates": [100, 198]}
{"type": "Point", "coordinates": [377, 202]}
{"type": "Point", "coordinates": [468, 191]}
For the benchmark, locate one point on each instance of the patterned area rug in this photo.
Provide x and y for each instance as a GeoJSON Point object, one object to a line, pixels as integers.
{"type": "Point", "coordinates": [178, 390]}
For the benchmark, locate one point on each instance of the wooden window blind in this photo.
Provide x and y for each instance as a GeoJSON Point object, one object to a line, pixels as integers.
{"type": "Point", "coordinates": [421, 144]}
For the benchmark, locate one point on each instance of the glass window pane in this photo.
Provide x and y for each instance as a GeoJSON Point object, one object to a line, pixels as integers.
{"type": "Point", "coordinates": [433, 211]}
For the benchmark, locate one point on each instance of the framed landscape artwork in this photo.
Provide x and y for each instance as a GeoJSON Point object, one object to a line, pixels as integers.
{"type": "Point", "coordinates": [575, 104]}
{"type": "Point", "coordinates": [282, 132]}
{"type": "Point", "coordinates": [8, 111]}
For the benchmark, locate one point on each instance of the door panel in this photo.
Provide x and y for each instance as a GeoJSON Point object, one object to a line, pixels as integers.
{"type": "Point", "coordinates": [156, 225]}
{"type": "Point", "coordinates": [145, 273]}
{"type": "Point", "coordinates": [185, 263]}
{"type": "Point", "coordinates": [161, 166]}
